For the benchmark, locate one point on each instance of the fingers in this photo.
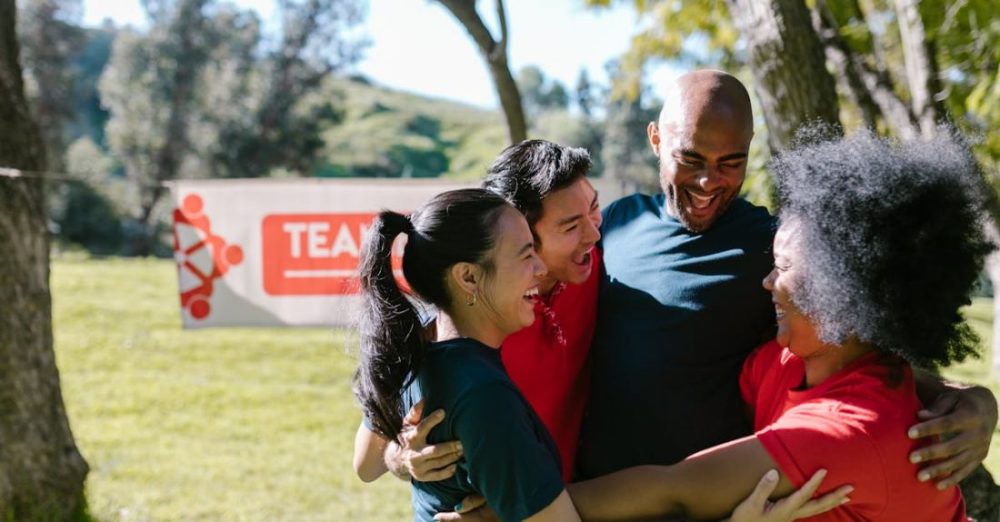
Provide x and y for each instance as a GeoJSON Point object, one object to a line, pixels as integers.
{"type": "Point", "coordinates": [472, 507]}
{"type": "Point", "coordinates": [416, 412]}
{"type": "Point", "coordinates": [807, 490]}
{"type": "Point", "coordinates": [427, 424]}
{"type": "Point", "coordinates": [944, 450]}
{"type": "Point", "coordinates": [825, 503]}
{"type": "Point", "coordinates": [951, 423]}
{"type": "Point", "coordinates": [945, 403]}
{"type": "Point", "coordinates": [471, 503]}
{"type": "Point", "coordinates": [439, 455]}
{"type": "Point", "coordinates": [436, 474]}
{"type": "Point", "coordinates": [765, 486]}
{"type": "Point", "coordinates": [958, 475]}
{"type": "Point", "coordinates": [946, 467]}
{"type": "Point", "coordinates": [434, 463]}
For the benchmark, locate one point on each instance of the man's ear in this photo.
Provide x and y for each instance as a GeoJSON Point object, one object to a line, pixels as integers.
{"type": "Point", "coordinates": [653, 133]}
{"type": "Point", "coordinates": [466, 277]}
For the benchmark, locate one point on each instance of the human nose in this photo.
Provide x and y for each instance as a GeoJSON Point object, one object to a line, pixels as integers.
{"type": "Point", "coordinates": [709, 178]}
{"type": "Point", "coordinates": [592, 231]}
{"type": "Point", "coordinates": [540, 268]}
{"type": "Point", "coordinates": [768, 281]}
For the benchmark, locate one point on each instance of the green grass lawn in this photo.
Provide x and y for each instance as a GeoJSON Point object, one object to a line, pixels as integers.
{"type": "Point", "coordinates": [232, 424]}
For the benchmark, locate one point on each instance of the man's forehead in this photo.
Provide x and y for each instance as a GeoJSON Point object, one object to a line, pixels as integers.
{"type": "Point", "coordinates": [569, 200]}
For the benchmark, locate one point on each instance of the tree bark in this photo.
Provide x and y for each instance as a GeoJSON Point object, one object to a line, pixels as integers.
{"type": "Point", "coordinates": [921, 66]}
{"type": "Point", "coordinates": [494, 52]}
{"type": "Point", "coordinates": [871, 90]}
{"type": "Point", "coordinates": [41, 470]}
{"type": "Point", "coordinates": [789, 67]}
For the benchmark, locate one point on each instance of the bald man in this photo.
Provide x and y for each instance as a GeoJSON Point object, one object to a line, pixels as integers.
{"type": "Point", "coordinates": [681, 304]}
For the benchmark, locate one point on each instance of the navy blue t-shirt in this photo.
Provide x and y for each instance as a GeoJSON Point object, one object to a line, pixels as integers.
{"type": "Point", "coordinates": [508, 455]}
{"type": "Point", "coordinates": [678, 313]}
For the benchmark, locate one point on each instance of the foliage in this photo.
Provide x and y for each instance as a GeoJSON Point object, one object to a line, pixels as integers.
{"type": "Point", "coordinates": [625, 153]}
{"type": "Point", "coordinates": [201, 92]}
{"type": "Point", "coordinates": [88, 209]}
{"type": "Point", "coordinates": [540, 93]}
{"type": "Point", "coordinates": [49, 35]}
{"type": "Point", "coordinates": [386, 133]}
{"type": "Point", "coordinates": [962, 36]}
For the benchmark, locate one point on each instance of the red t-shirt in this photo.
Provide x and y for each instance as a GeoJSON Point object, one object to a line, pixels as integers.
{"type": "Point", "coordinates": [854, 425]}
{"type": "Point", "coordinates": [547, 360]}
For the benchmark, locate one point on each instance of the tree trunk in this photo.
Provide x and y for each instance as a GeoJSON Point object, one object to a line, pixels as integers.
{"type": "Point", "coordinates": [789, 69]}
{"type": "Point", "coordinates": [871, 90]}
{"type": "Point", "coordinates": [494, 52]}
{"type": "Point", "coordinates": [921, 66]}
{"type": "Point", "coordinates": [41, 470]}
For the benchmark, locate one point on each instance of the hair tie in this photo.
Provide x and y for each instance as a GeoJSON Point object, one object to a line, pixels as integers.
{"type": "Point", "coordinates": [408, 228]}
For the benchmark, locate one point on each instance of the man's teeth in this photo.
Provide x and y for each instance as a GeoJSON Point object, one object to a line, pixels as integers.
{"type": "Point", "coordinates": [532, 293]}
{"type": "Point", "coordinates": [700, 202]}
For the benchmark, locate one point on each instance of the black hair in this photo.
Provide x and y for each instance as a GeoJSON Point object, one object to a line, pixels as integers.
{"type": "Point", "coordinates": [890, 240]}
{"type": "Point", "coordinates": [524, 174]}
{"type": "Point", "coordinates": [453, 227]}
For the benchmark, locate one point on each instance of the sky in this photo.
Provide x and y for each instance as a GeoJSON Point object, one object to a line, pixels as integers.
{"type": "Point", "coordinates": [418, 46]}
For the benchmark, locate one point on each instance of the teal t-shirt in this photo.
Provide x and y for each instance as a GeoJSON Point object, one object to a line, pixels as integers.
{"type": "Point", "coordinates": [678, 313]}
{"type": "Point", "coordinates": [508, 455]}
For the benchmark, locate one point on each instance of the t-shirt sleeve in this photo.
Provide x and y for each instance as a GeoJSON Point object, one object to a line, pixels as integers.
{"type": "Point", "coordinates": [507, 459]}
{"type": "Point", "coordinates": [753, 371]}
{"type": "Point", "coordinates": [410, 396]}
{"type": "Point", "coordinates": [816, 435]}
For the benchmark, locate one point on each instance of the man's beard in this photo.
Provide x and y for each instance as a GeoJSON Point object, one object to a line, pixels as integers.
{"type": "Point", "coordinates": [676, 209]}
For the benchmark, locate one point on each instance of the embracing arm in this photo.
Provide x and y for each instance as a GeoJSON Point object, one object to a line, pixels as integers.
{"type": "Point", "coordinates": [706, 486]}
{"type": "Point", "coordinates": [369, 448]}
{"type": "Point", "coordinates": [964, 416]}
{"type": "Point", "coordinates": [412, 457]}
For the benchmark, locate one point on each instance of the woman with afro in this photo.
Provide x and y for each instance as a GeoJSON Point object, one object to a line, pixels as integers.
{"type": "Point", "coordinates": [878, 248]}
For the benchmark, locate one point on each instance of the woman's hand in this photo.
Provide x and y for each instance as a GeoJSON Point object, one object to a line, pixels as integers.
{"type": "Point", "coordinates": [413, 458]}
{"type": "Point", "coordinates": [757, 507]}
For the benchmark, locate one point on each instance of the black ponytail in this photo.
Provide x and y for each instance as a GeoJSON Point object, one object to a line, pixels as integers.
{"type": "Point", "coordinates": [391, 340]}
{"type": "Point", "coordinates": [453, 227]}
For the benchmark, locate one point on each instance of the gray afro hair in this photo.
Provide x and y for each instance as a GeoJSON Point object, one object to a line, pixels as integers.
{"type": "Point", "coordinates": [890, 239]}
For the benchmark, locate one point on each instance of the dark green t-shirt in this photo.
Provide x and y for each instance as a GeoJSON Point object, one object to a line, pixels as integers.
{"type": "Point", "coordinates": [509, 456]}
{"type": "Point", "coordinates": [678, 313]}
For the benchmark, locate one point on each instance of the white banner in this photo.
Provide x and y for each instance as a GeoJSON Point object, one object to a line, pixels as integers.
{"type": "Point", "coordinates": [268, 252]}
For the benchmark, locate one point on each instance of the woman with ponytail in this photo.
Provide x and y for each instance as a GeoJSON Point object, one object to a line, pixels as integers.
{"type": "Point", "coordinates": [471, 255]}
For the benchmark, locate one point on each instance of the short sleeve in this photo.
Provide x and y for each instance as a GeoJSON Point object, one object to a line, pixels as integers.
{"type": "Point", "coordinates": [754, 368]}
{"type": "Point", "coordinates": [507, 458]}
{"type": "Point", "coordinates": [410, 396]}
{"type": "Point", "coordinates": [817, 435]}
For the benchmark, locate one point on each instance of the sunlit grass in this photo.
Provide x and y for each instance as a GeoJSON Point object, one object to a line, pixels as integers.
{"type": "Point", "coordinates": [230, 424]}
{"type": "Point", "coordinates": [234, 424]}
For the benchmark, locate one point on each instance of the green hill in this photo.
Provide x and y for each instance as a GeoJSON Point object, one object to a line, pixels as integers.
{"type": "Point", "coordinates": [389, 133]}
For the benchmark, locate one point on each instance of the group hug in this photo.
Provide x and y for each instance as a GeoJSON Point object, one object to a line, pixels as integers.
{"type": "Point", "coordinates": [685, 355]}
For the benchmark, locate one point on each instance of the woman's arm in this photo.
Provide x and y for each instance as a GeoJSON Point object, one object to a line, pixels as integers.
{"type": "Point", "coordinates": [706, 486]}
{"type": "Point", "coordinates": [369, 450]}
{"type": "Point", "coordinates": [374, 454]}
{"type": "Point", "coordinates": [560, 510]}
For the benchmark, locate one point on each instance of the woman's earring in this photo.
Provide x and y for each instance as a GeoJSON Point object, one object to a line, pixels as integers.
{"type": "Point", "coordinates": [471, 300]}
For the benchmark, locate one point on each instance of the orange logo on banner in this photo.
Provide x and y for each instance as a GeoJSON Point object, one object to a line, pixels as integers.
{"type": "Point", "coordinates": [201, 256]}
{"type": "Point", "coordinates": [316, 254]}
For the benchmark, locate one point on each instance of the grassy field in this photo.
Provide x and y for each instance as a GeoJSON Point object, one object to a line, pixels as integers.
{"type": "Point", "coordinates": [235, 424]}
